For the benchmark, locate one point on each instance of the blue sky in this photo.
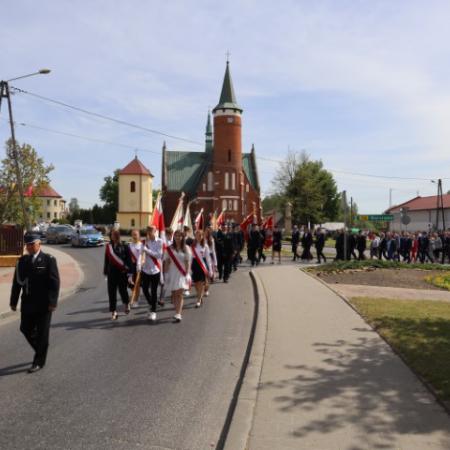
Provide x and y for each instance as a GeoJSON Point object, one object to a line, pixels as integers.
{"type": "Point", "coordinates": [362, 85]}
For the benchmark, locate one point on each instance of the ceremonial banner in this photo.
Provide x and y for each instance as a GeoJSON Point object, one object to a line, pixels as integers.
{"type": "Point", "coordinates": [268, 226]}
{"type": "Point", "coordinates": [158, 219]}
{"type": "Point", "coordinates": [187, 217]}
{"type": "Point", "coordinates": [199, 221]}
{"type": "Point", "coordinates": [178, 217]}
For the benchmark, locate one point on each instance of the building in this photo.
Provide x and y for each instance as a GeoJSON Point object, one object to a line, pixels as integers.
{"type": "Point", "coordinates": [221, 177]}
{"type": "Point", "coordinates": [53, 205]}
{"type": "Point", "coordinates": [135, 195]}
{"type": "Point", "coordinates": [422, 211]}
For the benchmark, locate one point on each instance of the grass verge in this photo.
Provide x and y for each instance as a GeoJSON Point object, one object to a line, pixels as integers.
{"type": "Point", "coordinates": [442, 281]}
{"type": "Point", "coordinates": [340, 266]}
{"type": "Point", "coordinates": [417, 330]}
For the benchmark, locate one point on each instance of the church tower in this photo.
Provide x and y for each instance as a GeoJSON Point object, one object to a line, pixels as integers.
{"type": "Point", "coordinates": [227, 150]}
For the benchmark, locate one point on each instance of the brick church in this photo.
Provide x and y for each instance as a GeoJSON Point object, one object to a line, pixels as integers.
{"type": "Point", "coordinates": [221, 177]}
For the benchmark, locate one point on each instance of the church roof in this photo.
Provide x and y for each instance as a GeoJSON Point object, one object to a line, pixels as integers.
{"type": "Point", "coordinates": [227, 96]}
{"type": "Point", "coordinates": [185, 170]}
{"type": "Point", "coordinates": [135, 167]}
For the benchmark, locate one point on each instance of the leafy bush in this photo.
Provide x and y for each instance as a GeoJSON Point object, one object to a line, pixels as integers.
{"type": "Point", "coordinates": [442, 281]}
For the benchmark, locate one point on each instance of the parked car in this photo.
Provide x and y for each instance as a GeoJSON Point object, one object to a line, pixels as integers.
{"type": "Point", "coordinates": [87, 237]}
{"type": "Point", "coordinates": [59, 234]}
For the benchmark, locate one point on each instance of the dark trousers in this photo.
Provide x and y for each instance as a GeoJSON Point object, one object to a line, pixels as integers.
{"type": "Point", "coordinates": [294, 251]}
{"type": "Point", "coordinates": [36, 328]}
{"type": "Point", "coordinates": [227, 265]}
{"type": "Point", "coordinates": [220, 264]}
{"type": "Point", "coordinates": [150, 288]}
{"type": "Point", "coordinates": [320, 254]}
{"type": "Point", "coordinates": [117, 282]}
{"type": "Point", "coordinates": [252, 255]}
{"type": "Point", "coordinates": [361, 255]}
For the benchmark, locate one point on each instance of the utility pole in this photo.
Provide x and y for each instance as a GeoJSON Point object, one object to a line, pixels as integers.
{"type": "Point", "coordinates": [440, 206]}
{"type": "Point", "coordinates": [5, 92]}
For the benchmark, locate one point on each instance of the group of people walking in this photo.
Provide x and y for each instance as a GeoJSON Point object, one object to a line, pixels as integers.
{"type": "Point", "coordinates": [169, 267]}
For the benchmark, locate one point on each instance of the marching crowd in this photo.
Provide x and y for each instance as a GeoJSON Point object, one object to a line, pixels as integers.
{"type": "Point", "coordinates": [172, 264]}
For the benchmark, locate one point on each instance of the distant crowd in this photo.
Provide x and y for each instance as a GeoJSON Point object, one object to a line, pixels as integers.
{"type": "Point", "coordinates": [405, 246]}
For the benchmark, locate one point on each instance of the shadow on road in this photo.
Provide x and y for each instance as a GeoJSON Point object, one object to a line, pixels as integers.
{"type": "Point", "coordinates": [12, 370]}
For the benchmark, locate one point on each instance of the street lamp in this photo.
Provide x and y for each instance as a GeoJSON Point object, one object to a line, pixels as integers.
{"type": "Point", "coordinates": [6, 93]}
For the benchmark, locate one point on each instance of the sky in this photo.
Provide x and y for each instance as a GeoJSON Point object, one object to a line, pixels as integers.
{"type": "Point", "coordinates": [363, 86]}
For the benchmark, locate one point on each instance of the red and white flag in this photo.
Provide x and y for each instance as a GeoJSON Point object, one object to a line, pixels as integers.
{"type": "Point", "coordinates": [199, 221]}
{"type": "Point", "coordinates": [221, 219]}
{"type": "Point", "coordinates": [246, 223]}
{"type": "Point", "coordinates": [158, 219]}
{"type": "Point", "coordinates": [187, 222]}
{"type": "Point", "coordinates": [178, 217]}
{"type": "Point", "coordinates": [268, 227]}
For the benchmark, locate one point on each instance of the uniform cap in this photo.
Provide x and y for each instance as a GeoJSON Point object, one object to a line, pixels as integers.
{"type": "Point", "coordinates": [30, 238]}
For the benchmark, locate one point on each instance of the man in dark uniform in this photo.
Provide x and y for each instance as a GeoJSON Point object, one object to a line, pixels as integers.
{"type": "Point", "coordinates": [254, 243]}
{"type": "Point", "coordinates": [37, 277]}
{"type": "Point", "coordinates": [295, 240]}
{"type": "Point", "coordinates": [238, 244]}
{"type": "Point", "coordinates": [228, 253]}
{"type": "Point", "coordinates": [219, 236]}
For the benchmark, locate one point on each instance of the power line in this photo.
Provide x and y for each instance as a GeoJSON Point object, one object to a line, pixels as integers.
{"type": "Point", "coordinates": [102, 116]}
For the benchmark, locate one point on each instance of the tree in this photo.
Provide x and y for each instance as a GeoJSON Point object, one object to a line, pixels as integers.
{"type": "Point", "coordinates": [309, 187]}
{"type": "Point", "coordinates": [109, 192]}
{"type": "Point", "coordinates": [73, 206]}
{"type": "Point", "coordinates": [273, 202]}
{"type": "Point", "coordinates": [34, 174]}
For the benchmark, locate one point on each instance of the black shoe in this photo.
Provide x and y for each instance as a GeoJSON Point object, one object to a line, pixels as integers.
{"type": "Point", "coordinates": [225, 280]}
{"type": "Point", "coordinates": [34, 368]}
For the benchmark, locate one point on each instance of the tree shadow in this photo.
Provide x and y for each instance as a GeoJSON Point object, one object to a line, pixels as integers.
{"type": "Point", "coordinates": [360, 384]}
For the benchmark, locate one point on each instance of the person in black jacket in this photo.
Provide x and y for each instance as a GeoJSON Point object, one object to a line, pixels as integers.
{"type": "Point", "coordinates": [254, 244]}
{"type": "Point", "coordinates": [37, 278]}
{"type": "Point", "coordinates": [307, 242]}
{"type": "Point", "coordinates": [118, 270]}
{"type": "Point", "coordinates": [361, 245]}
{"type": "Point", "coordinates": [238, 244]}
{"type": "Point", "coordinates": [228, 254]}
{"type": "Point", "coordinates": [277, 238]}
{"type": "Point", "coordinates": [295, 240]}
{"type": "Point", "coordinates": [320, 244]}
{"type": "Point", "coordinates": [340, 240]}
{"type": "Point", "coordinates": [219, 237]}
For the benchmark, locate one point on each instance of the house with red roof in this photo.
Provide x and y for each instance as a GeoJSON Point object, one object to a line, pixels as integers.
{"type": "Point", "coordinates": [53, 204]}
{"type": "Point", "coordinates": [423, 212]}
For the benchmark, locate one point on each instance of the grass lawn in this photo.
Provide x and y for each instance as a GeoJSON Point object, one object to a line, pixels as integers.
{"type": "Point", "coordinates": [337, 266]}
{"type": "Point", "coordinates": [419, 331]}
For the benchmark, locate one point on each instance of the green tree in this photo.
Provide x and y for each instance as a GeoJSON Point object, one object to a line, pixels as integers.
{"type": "Point", "coordinates": [272, 202]}
{"type": "Point", "coordinates": [34, 173]}
{"type": "Point", "coordinates": [109, 192]}
{"type": "Point", "coordinates": [309, 187]}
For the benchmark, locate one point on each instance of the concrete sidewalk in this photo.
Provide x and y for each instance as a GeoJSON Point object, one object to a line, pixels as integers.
{"type": "Point", "coordinates": [69, 270]}
{"type": "Point", "coordinates": [329, 382]}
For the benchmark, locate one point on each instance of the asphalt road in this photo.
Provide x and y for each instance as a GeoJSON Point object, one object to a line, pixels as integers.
{"type": "Point", "coordinates": [127, 384]}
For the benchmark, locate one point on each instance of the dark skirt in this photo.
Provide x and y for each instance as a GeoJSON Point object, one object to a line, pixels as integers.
{"type": "Point", "coordinates": [197, 273]}
{"type": "Point", "coordinates": [276, 247]}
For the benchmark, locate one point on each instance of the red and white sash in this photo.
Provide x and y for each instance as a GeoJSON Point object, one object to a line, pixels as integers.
{"type": "Point", "coordinates": [176, 261]}
{"type": "Point", "coordinates": [114, 259]}
{"type": "Point", "coordinates": [134, 254]}
{"type": "Point", "coordinates": [199, 260]}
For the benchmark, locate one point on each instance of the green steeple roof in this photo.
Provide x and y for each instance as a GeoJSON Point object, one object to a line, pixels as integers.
{"type": "Point", "coordinates": [208, 135]}
{"type": "Point", "coordinates": [227, 96]}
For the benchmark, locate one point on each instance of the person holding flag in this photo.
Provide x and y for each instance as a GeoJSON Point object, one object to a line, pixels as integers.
{"type": "Point", "coordinates": [118, 270]}
{"type": "Point", "coordinates": [177, 261]}
{"type": "Point", "coordinates": [152, 269]}
{"type": "Point", "coordinates": [135, 248]}
{"type": "Point", "coordinates": [201, 265]}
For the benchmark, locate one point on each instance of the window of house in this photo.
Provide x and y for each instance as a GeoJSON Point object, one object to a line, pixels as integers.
{"type": "Point", "coordinates": [227, 180]}
{"type": "Point", "coordinates": [48, 202]}
{"type": "Point", "coordinates": [229, 155]}
{"type": "Point", "coordinates": [210, 181]}
{"type": "Point", "coordinates": [235, 205]}
{"type": "Point", "coordinates": [233, 181]}
{"type": "Point", "coordinates": [132, 220]}
{"type": "Point", "coordinates": [55, 202]}
{"type": "Point", "coordinates": [48, 215]}
{"type": "Point", "coordinates": [224, 204]}
{"type": "Point", "coordinates": [133, 186]}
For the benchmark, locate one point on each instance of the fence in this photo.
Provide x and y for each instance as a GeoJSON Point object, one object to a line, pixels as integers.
{"type": "Point", "coordinates": [11, 240]}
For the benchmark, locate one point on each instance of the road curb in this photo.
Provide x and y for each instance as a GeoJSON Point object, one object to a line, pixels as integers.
{"type": "Point", "coordinates": [242, 412]}
{"type": "Point", "coordinates": [63, 294]}
{"type": "Point", "coordinates": [445, 405]}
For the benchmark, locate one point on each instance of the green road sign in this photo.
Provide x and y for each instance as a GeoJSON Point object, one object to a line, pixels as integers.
{"type": "Point", "coordinates": [376, 217]}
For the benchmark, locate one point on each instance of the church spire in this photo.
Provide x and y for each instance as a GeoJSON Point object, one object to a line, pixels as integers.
{"type": "Point", "coordinates": [208, 134]}
{"type": "Point", "coordinates": [227, 96]}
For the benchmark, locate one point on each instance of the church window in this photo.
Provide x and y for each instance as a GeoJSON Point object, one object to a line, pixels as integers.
{"type": "Point", "coordinates": [227, 180]}
{"type": "Point", "coordinates": [133, 186]}
{"type": "Point", "coordinates": [235, 205]}
{"type": "Point", "coordinates": [210, 181]}
{"type": "Point", "coordinates": [247, 188]}
{"type": "Point", "coordinates": [224, 204]}
{"type": "Point", "coordinates": [230, 205]}
{"type": "Point", "coordinates": [229, 155]}
{"type": "Point", "coordinates": [133, 223]}
{"type": "Point", "coordinates": [233, 181]}
{"type": "Point", "coordinates": [204, 187]}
